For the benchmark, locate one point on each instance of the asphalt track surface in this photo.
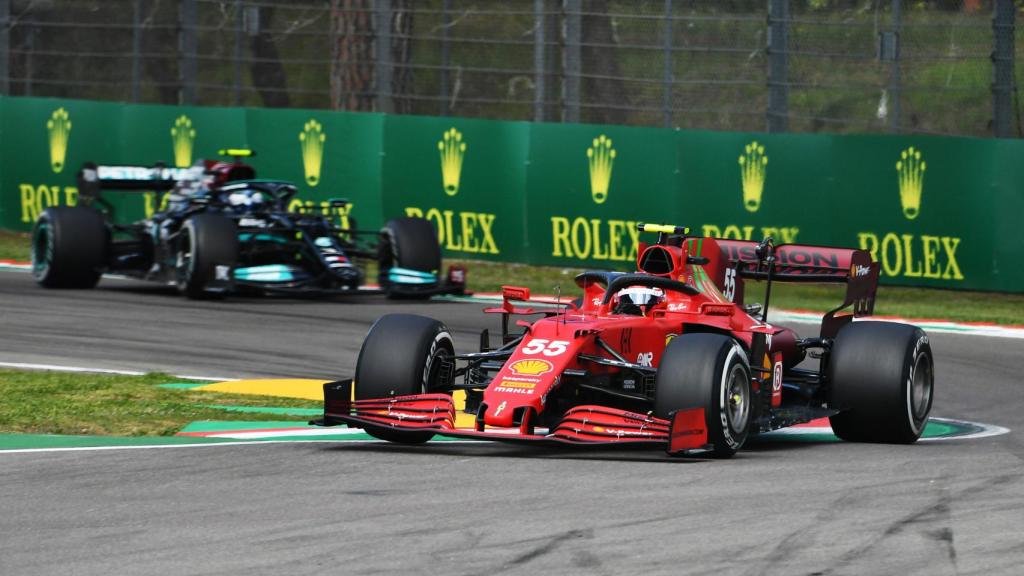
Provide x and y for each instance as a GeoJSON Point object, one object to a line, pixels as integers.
{"type": "Point", "coordinates": [947, 507]}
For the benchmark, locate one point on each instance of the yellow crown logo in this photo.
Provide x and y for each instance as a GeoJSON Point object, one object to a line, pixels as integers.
{"type": "Point", "coordinates": [312, 138]}
{"type": "Point", "coordinates": [910, 169]}
{"type": "Point", "coordinates": [59, 128]}
{"type": "Point", "coordinates": [600, 156]}
{"type": "Point", "coordinates": [452, 150]}
{"type": "Point", "coordinates": [182, 137]}
{"type": "Point", "coordinates": [753, 168]}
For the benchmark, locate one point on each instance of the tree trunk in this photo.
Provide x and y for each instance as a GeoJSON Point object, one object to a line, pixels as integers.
{"type": "Point", "coordinates": [401, 56]}
{"type": "Point", "coordinates": [352, 58]}
{"type": "Point", "coordinates": [268, 76]}
{"type": "Point", "coordinates": [602, 61]}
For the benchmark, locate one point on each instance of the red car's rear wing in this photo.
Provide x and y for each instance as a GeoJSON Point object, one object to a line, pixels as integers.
{"type": "Point", "coordinates": [815, 264]}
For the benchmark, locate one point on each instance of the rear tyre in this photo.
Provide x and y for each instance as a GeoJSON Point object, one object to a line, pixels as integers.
{"type": "Point", "coordinates": [69, 247]}
{"type": "Point", "coordinates": [409, 243]}
{"type": "Point", "coordinates": [708, 371]}
{"type": "Point", "coordinates": [404, 354]}
{"type": "Point", "coordinates": [206, 242]}
{"type": "Point", "coordinates": [882, 379]}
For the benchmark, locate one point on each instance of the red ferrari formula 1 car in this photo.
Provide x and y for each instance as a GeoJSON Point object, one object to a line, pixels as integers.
{"type": "Point", "coordinates": [668, 356]}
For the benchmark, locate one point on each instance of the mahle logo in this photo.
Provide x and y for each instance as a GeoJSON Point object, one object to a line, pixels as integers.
{"type": "Point", "coordinates": [753, 169]}
{"type": "Point", "coordinates": [182, 137]}
{"type": "Point", "coordinates": [601, 157]}
{"type": "Point", "coordinates": [910, 169]}
{"type": "Point", "coordinates": [312, 139]}
{"type": "Point", "coordinates": [452, 150]}
{"type": "Point", "coordinates": [59, 129]}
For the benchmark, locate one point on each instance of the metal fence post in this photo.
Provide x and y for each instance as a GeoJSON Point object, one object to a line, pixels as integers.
{"type": "Point", "coordinates": [5, 46]}
{"type": "Point", "coordinates": [189, 45]}
{"type": "Point", "coordinates": [895, 74]}
{"type": "Point", "coordinates": [136, 47]}
{"type": "Point", "coordinates": [1002, 60]}
{"type": "Point", "coordinates": [538, 60]}
{"type": "Point", "coordinates": [236, 87]}
{"type": "Point", "coordinates": [778, 45]}
{"type": "Point", "coordinates": [446, 22]}
{"type": "Point", "coordinates": [666, 103]}
{"type": "Point", "coordinates": [384, 69]}
{"type": "Point", "coordinates": [571, 63]}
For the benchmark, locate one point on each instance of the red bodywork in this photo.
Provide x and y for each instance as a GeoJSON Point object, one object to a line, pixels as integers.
{"type": "Point", "coordinates": [575, 342]}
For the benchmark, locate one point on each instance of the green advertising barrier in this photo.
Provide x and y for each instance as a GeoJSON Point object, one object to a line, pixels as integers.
{"type": "Point", "coordinates": [468, 177]}
{"type": "Point", "coordinates": [326, 154]}
{"type": "Point", "coordinates": [934, 211]}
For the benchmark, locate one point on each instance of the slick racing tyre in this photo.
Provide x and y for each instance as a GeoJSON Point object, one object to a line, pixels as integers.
{"type": "Point", "coordinates": [708, 371]}
{"type": "Point", "coordinates": [409, 243]}
{"type": "Point", "coordinates": [206, 243]}
{"type": "Point", "coordinates": [69, 247]}
{"type": "Point", "coordinates": [882, 379]}
{"type": "Point", "coordinates": [404, 354]}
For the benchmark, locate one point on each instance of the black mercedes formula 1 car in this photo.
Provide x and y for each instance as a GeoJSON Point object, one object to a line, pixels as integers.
{"type": "Point", "coordinates": [222, 230]}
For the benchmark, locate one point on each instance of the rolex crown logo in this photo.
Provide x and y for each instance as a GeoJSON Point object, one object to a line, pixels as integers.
{"type": "Point", "coordinates": [910, 169]}
{"type": "Point", "coordinates": [312, 138]}
{"type": "Point", "coordinates": [59, 129]}
{"type": "Point", "coordinates": [753, 168]}
{"type": "Point", "coordinates": [452, 150]}
{"type": "Point", "coordinates": [601, 157]}
{"type": "Point", "coordinates": [182, 137]}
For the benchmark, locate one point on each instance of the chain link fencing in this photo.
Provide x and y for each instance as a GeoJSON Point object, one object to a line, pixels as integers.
{"type": "Point", "coordinates": [922, 66]}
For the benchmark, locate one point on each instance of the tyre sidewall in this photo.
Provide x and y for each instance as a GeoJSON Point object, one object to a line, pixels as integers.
{"type": "Point", "coordinates": [693, 373]}
{"type": "Point", "coordinates": [873, 389]}
{"type": "Point", "coordinates": [76, 245]}
{"type": "Point", "coordinates": [213, 241]}
{"type": "Point", "coordinates": [399, 356]}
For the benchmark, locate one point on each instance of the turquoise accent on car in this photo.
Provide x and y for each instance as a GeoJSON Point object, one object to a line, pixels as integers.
{"type": "Point", "coordinates": [261, 238]}
{"type": "Point", "coordinates": [407, 276]}
{"type": "Point", "coordinates": [267, 273]}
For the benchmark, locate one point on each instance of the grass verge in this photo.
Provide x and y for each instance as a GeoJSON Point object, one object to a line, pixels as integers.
{"type": "Point", "coordinates": [37, 402]}
{"type": "Point", "coordinates": [15, 246]}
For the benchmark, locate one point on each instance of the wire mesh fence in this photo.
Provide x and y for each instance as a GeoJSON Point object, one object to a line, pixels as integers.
{"type": "Point", "coordinates": [924, 66]}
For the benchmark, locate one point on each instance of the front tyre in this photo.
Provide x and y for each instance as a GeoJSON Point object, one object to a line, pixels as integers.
{"type": "Point", "coordinates": [411, 244]}
{"type": "Point", "coordinates": [882, 379]}
{"type": "Point", "coordinates": [403, 355]}
{"type": "Point", "coordinates": [708, 371]}
{"type": "Point", "coordinates": [69, 247]}
{"type": "Point", "coordinates": [207, 249]}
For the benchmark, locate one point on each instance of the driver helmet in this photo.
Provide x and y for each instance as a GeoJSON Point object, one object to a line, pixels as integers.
{"type": "Point", "coordinates": [635, 299]}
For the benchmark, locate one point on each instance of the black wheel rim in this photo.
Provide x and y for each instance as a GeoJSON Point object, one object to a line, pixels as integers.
{"type": "Point", "coordinates": [921, 389]}
{"type": "Point", "coordinates": [183, 265]}
{"type": "Point", "coordinates": [42, 250]}
{"type": "Point", "coordinates": [737, 399]}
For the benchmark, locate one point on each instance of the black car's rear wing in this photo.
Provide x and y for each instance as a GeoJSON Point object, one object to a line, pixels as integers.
{"type": "Point", "coordinates": [812, 264]}
{"type": "Point", "coordinates": [93, 178]}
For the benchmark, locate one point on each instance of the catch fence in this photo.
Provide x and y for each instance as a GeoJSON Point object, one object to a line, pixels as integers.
{"type": "Point", "coordinates": [924, 66]}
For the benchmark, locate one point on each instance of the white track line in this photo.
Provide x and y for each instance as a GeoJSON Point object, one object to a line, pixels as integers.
{"type": "Point", "coordinates": [94, 370]}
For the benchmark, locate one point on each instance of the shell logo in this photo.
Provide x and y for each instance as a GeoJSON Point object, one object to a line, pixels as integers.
{"type": "Point", "coordinates": [531, 367]}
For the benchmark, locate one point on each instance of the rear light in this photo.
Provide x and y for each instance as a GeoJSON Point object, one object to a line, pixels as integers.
{"type": "Point", "coordinates": [456, 274]}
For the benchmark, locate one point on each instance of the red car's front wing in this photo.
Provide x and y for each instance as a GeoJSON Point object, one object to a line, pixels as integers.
{"type": "Point", "coordinates": [582, 426]}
